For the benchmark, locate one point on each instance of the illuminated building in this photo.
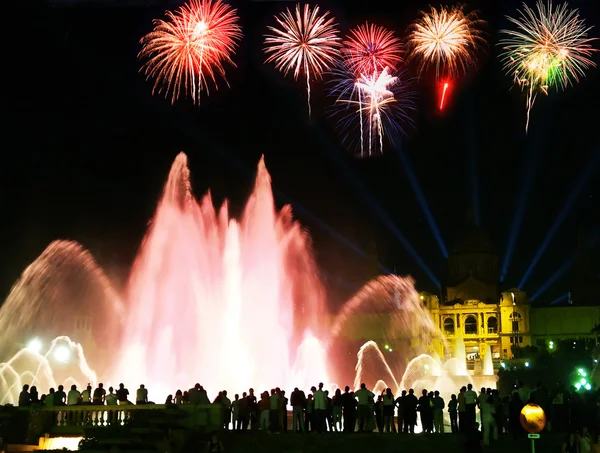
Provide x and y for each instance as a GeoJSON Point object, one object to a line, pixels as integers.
{"type": "Point", "coordinates": [472, 307]}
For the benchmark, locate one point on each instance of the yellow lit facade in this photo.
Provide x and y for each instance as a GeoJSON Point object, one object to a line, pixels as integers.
{"type": "Point", "coordinates": [472, 306]}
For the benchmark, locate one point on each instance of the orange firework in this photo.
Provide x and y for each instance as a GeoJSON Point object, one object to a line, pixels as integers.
{"type": "Point", "coordinates": [190, 47]}
{"type": "Point", "coordinates": [446, 38]}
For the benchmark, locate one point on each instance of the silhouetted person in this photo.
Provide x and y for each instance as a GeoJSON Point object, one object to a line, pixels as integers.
{"type": "Point", "coordinates": [244, 414]}
{"type": "Point", "coordinates": [33, 395]}
{"type": "Point", "coordinates": [400, 405]}
{"type": "Point", "coordinates": [365, 401]}
{"type": "Point", "coordinates": [49, 400]}
{"type": "Point", "coordinates": [123, 394]}
{"type": "Point", "coordinates": [438, 412]}
{"type": "Point", "coordinates": [349, 407]}
{"type": "Point", "coordinates": [389, 405]}
{"type": "Point", "coordinates": [141, 396]}
{"type": "Point", "coordinates": [99, 394]}
{"type": "Point", "coordinates": [274, 411]}
{"type": "Point", "coordinates": [73, 397]}
{"type": "Point", "coordinates": [86, 395]}
{"type": "Point", "coordinates": [235, 411]}
{"type": "Point", "coordinates": [337, 402]}
{"type": "Point", "coordinates": [320, 408]}
{"type": "Point", "coordinates": [514, 415]}
{"type": "Point", "coordinates": [24, 397]}
{"type": "Point", "coordinates": [410, 411]}
{"type": "Point", "coordinates": [298, 402]}
{"type": "Point", "coordinates": [470, 405]}
{"type": "Point", "coordinates": [264, 405]}
{"type": "Point", "coordinates": [310, 414]}
{"type": "Point", "coordinates": [453, 412]}
{"type": "Point", "coordinates": [426, 412]}
{"type": "Point", "coordinates": [60, 396]}
{"type": "Point", "coordinates": [283, 416]}
{"type": "Point", "coordinates": [178, 397]}
{"type": "Point", "coordinates": [225, 409]}
{"type": "Point", "coordinates": [462, 410]}
{"type": "Point", "coordinates": [111, 398]}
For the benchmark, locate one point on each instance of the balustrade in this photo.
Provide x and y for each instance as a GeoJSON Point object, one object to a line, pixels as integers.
{"type": "Point", "coordinates": [76, 419]}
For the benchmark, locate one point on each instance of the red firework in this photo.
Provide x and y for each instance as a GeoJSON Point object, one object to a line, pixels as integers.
{"type": "Point", "coordinates": [370, 49]}
{"type": "Point", "coordinates": [190, 47]}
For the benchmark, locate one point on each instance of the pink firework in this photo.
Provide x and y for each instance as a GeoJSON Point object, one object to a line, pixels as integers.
{"type": "Point", "coordinates": [188, 49]}
{"type": "Point", "coordinates": [370, 49]}
{"type": "Point", "coordinates": [304, 42]}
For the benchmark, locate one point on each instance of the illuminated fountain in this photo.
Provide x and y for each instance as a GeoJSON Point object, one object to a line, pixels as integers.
{"type": "Point", "coordinates": [221, 302]}
{"type": "Point", "coordinates": [226, 303]}
{"type": "Point", "coordinates": [393, 305]}
{"type": "Point", "coordinates": [230, 304]}
{"type": "Point", "coordinates": [488, 362]}
{"type": "Point", "coordinates": [62, 362]}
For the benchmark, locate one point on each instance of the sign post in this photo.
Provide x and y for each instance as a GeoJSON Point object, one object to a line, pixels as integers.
{"type": "Point", "coordinates": [533, 420]}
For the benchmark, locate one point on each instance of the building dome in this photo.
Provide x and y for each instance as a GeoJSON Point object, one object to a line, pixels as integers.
{"type": "Point", "coordinates": [471, 238]}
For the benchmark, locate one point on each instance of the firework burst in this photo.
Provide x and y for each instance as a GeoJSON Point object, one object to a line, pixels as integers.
{"type": "Point", "coordinates": [379, 101]}
{"type": "Point", "coordinates": [188, 49]}
{"type": "Point", "coordinates": [549, 48]}
{"type": "Point", "coordinates": [304, 42]}
{"type": "Point", "coordinates": [370, 48]}
{"type": "Point", "coordinates": [446, 38]}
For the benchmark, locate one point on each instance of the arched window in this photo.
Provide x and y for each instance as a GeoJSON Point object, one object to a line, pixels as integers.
{"type": "Point", "coordinates": [492, 324]}
{"type": "Point", "coordinates": [449, 326]}
{"type": "Point", "coordinates": [470, 325]}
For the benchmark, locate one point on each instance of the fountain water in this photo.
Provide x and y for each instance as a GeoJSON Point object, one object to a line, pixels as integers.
{"type": "Point", "coordinates": [63, 363]}
{"type": "Point", "coordinates": [63, 292]}
{"type": "Point", "coordinates": [460, 354]}
{"type": "Point", "coordinates": [227, 303]}
{"type": "Point", "coordinates": [488, 363]}
{"type": "Point", "coordinates": [210, 299]}
{"type": "Point", "coordinates": [218, 301]}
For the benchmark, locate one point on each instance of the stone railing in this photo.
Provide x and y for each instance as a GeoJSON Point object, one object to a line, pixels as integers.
{"type": "Point", "coordinates": [72, 420]}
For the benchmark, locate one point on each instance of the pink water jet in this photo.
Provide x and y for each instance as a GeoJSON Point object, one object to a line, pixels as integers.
{"type": "Point", "coordinates": [221, 302]}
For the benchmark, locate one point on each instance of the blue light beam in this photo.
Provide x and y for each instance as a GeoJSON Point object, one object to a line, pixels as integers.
{"type": "Point", "coordinates": [553, 278]}
{"type": "Point", "coordinates": [414, 182]}
{"type": "Point", "coordinates": [559, 299]}
{"type": "Point", "coordinates": [580, 183]}
{"type": "Point", "coordinates": [376, 207]}
{"type": "Point", "coordinates": [528, 177]}
{"type": "Point", "coordinates": [592, 241]}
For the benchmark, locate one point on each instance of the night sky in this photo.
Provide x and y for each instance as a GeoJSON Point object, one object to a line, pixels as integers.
{"type": "Point", "coordinates": [88, 148]}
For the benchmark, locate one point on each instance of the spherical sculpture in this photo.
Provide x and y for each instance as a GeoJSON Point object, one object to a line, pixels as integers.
{"type": "Point", "coordinates": [533, 418]}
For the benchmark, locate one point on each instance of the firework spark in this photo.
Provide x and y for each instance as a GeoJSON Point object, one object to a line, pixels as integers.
{"type": "Point", "coordinates": [305, 42]}
{"type": "Point", "coordinates": [444, 89]}
{"type": "Point", "coordinates": [379, 101]}
{"type": "Point", "coordinates": [370, 48]}
{"type": "Point", "coordinates": [188, 50]}
{"type": "Point", "coordinates": [549, 48]}
{"type": "Point", "coordinates": [446, 38]}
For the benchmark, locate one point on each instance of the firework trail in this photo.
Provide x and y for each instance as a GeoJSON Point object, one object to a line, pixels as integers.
{"type": "Point", "coordinates": [189, 48]}
{"type": "Point", "coordinates": [370, 48]}
{"type": "Point", "coordinates": [549, 48]}
{"type": "Point", "coordinates": [379, 101]}
{"type": "Point", "coordinates": [304, 42]}
{"type": "Point", "coordinates": [448, 39]}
